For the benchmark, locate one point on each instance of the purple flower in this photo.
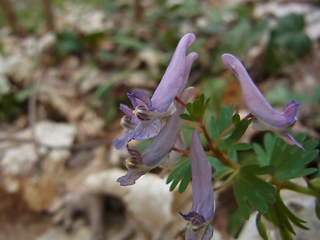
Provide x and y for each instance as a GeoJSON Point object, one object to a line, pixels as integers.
{"type": "Point", "coordinates": [140, 163]}
{"type": "Point", "coordinates": [202, 210]}
{"type": "Point", "coordinates": [150, 114]}
{"type": "Point", "coordinates": [264, 116]}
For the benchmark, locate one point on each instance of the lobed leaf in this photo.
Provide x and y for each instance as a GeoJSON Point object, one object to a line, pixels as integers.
{"type": "Point", "coordinates": [250, 189]}
{"type": "Point", "coordinates": [289, 161]}
{"type": "Point", "coordinates": [196, 109]}
{"type": "Point", "coordinates": [181, 173]}
{"type": "Point", "coordinates": [281, 216]}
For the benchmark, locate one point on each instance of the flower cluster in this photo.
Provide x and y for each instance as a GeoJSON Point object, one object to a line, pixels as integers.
{"type": "Point", "coordinates": [158, 117]}
{"type": "Point", "coordinates": [150, 114]}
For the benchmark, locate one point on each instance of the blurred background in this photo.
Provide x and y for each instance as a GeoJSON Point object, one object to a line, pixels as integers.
{"type": "Point", "coordinates": [66, 65]}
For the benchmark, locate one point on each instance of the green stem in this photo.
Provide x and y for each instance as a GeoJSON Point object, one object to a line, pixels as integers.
{"type": "Point", "coordinates": [216, 153]}
{"type": "Point", "coordinates": [284, 184]}
{"type": "Point", "coordinates": [225, 183]}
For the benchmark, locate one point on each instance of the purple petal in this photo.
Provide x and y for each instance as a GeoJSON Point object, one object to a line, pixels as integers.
{"type": "Point", "coordinates": [146, 130]}
{"type": "Point", "coordinates": [290, 110]}
{"type": "Point", "coordinates": [189, 61]}
{"type": "Point", "coordinates": [143, 97]}
{"type": "Point", "coordinates": [201, 234]}
{"type": "Point", "coordinates": [208, 233]}
{"type": "Point", "coordinates": [128, 112]}
{"type": "Point", "coordinates": [287, 137]}
{"type": "Point", "coordinates": [202, 190]}
{"type": "Point", "coordinates": [174, 78]}
{"type": "Point", "coordinates": [130, 177]}
{"type": "Point", "coordinates": [168, 135]}
{"type": "Point", "coordinates": [254, 99]}
{"type": "Point", "coordinates": [151, 157]}
{"type": "Point", "coordinates": [121, 142]}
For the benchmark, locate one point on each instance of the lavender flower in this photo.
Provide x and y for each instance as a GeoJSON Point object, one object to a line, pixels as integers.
{"type": "Point", "coordinates": [264, 116]}
{"type": "Point", "coordinates": [140, 163]}
{"type": "Point", "coordinates": [202, 210]}
{"type": "Point", "coordinates": [150, 114]}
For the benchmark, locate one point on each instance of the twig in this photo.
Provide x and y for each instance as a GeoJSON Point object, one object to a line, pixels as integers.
{"type": "Point", "coordinates": [184, 152]}
{"type": "Point", "coordinates": [11, 18]}
{"type": "Point", "coordinates": [48, 14]}
{"type": "Point", "coordinates": [283, 184]}
{"type": "Point", "coordinates": [219, 155]}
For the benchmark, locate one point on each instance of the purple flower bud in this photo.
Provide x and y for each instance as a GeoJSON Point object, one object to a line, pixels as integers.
{"type": "Point", "coordinates": [202, 210]}
{"type": "Point", "coordinates": [151, 113]}
{"type": "Point", "coordinates": [265, 117]}
{"type": "Point", "coordinates": [141, 163]}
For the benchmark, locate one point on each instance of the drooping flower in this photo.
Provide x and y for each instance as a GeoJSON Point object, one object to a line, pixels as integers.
{"type": "Point", "coordinates": [140, 163]}
{"type": "Point", "coordinates": [264, 116]}
{"type": "Point", "coordinates": [149, 114]}
{"type": "Point", "coordinates": [202, 210]}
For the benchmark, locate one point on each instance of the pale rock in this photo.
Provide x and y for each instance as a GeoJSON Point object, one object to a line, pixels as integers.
{"type": "Point", "coordinates": [46, 41]}
{"type": "Point", "coordinates": [313, 24]}
{"type": "Point", "coordinates": [20, 159]}
{"type": "Point", "coordinates": [250, 231]}
{"type": "Point", "coordinates": [91, 22]}
{"type": "Point", "coordinates": [4, 84]}
{"type": "Point", "coordinates": [115, 156]}
{"type": "Point", "coordinates": [281, 10]}
{"type": "Point", "coordinates": [18, 66]}
{"type": "Point", "coordinates": [29, 47]}
{"type": "Point", "coordinates": [148, 202]}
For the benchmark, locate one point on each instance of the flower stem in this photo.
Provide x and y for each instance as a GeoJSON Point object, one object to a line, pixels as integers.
{"type": "Point", "coordinates": [284, 184]}
{"type": "Point", "coordinates": [184, 152]}
{"type": "Point", "coordinates": [216, 153]}
{"type": "Point", "coordinates": [195, 126]}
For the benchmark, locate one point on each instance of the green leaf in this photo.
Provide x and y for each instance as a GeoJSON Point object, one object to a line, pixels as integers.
{"type": "Point", "coordinates": [229, 140]}
{"type": "Point", "coordinates": [287, 43]}
{"type": "Point", "coordinates": [240, 146]}
{"type": "Point", "coordinates": [281, 216]}
{"type": "Point", "coordinates": [261, 228]}
{"type": "Point", "coordinates": [68, 43]}
{"type": "Point", "coordinates": [289, 161]}
{"type": "Point", "coordinates": [239, 39]}
{"type": "Point", "coordinates": [225, 118]}
{"type": "Point", "coordinates": [250, 189]}
{"type": "Point", "coordinates": [219, 168]}
{"type": "Point", "coordinates": [196, 109]}
{"type": "Point", "coordinates": [180, 173]}
{"type": "Point", "coordinates": [236, 119]}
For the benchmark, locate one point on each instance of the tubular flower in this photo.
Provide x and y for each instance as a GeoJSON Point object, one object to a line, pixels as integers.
{"type": "Point", "coordinates": [150, 114]}
{"type": "Point", "coordinates": [264, 116]}
{"type": "Point", "coordinates": [140, 163]}
{"type": "Point", "coordinates": [202, 210]}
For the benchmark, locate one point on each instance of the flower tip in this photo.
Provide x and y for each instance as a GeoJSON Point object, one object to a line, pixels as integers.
{"type": "Point", "coordinates": [233, 63]}
{"type": "Point", "coordinates": [289, 139]}
{"type": "Point", "coordinates": [189, 38]}
{"type": "Point", "coordinates": [227, 58]}
{"type": "Point", "coordinates": [192, 56]}
{"type": "Point", "coordinates": [125, 181]}
{"type": "Point", "coordinates": [291, 109]}
{"type": "Point", "coordinates": [119, 144]}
